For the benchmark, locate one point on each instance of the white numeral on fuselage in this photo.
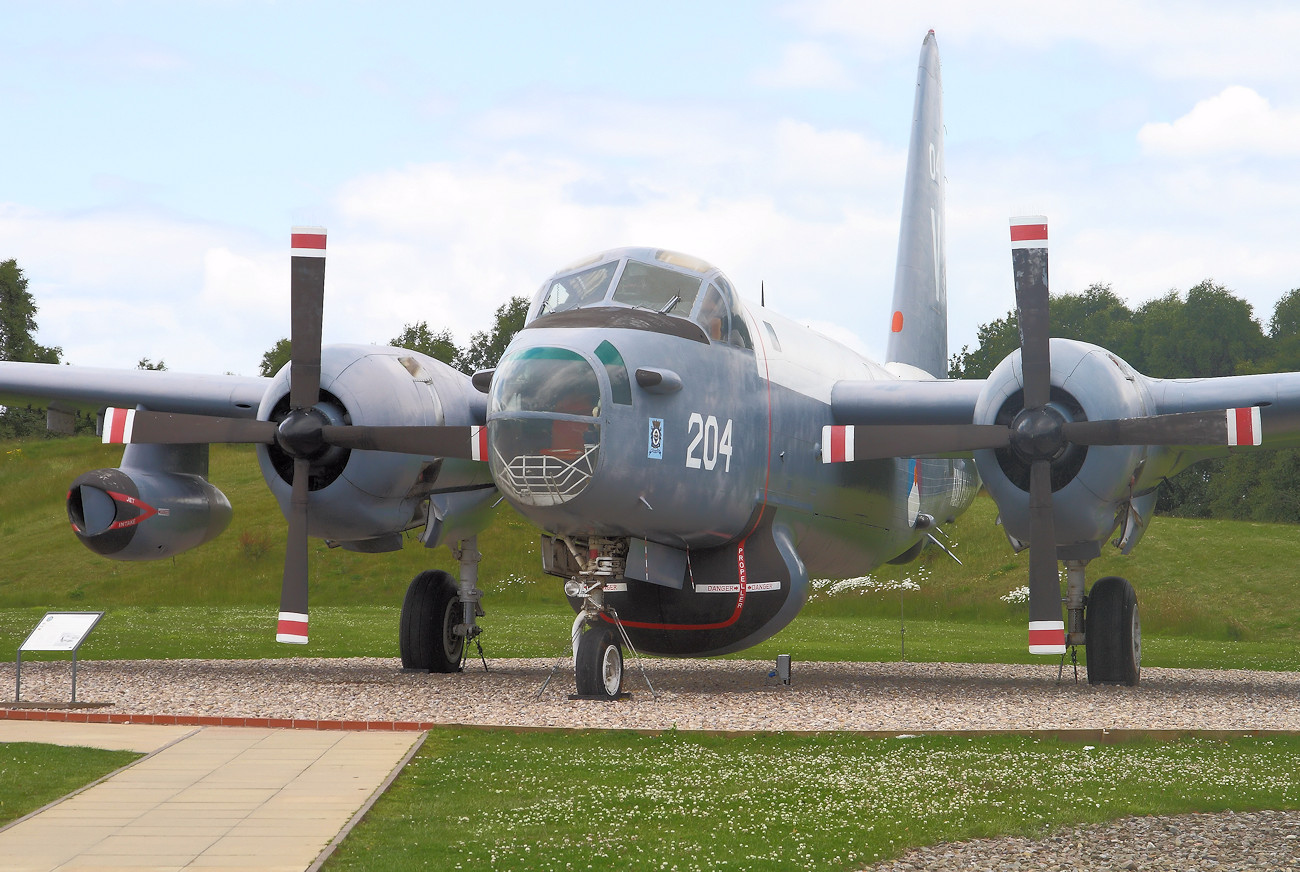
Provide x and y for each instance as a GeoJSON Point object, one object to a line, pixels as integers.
{"type": "Point", "coordinates": [708, 442]}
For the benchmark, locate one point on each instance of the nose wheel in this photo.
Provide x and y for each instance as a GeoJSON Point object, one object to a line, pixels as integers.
{"type": "Point", "coordinates": [598, 663]}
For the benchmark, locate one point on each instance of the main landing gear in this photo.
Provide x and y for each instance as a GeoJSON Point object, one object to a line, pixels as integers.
{"type": "Point", "coordinates": [1106, 622]}
{"type": "Point", "coordinates": [439, 615]}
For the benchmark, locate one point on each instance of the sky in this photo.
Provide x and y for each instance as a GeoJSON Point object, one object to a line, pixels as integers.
{"type": "Point", "coordinates": [156, 155]}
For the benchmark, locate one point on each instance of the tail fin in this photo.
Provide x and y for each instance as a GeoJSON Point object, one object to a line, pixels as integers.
{"type": "Point", "coordinates": [919, 327]}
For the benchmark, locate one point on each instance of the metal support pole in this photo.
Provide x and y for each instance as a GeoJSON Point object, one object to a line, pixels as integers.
{"type": "Point", "coordinates": [18, 688]}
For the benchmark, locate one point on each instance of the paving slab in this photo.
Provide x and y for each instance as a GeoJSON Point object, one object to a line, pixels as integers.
{"type": "Point", "coordinates": [203, 798]}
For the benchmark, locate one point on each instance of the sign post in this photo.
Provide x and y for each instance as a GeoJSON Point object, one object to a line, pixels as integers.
{"type": "Point", "coordinates": [57, 631]}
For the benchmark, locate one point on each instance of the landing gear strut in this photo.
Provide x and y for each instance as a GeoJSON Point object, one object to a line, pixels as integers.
{"type": "Point", "coordinates": [439, 615]}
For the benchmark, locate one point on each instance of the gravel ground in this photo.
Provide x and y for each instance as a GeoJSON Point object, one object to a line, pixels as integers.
{"type": "Point", "coordinates": [738, 695]}
{"type": "Point", "coordinates": [692, 695]}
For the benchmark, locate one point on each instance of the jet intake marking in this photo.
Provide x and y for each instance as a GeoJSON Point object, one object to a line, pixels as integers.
{"type": "Point", "coordinates": [118, 424]}
{"type": "Point", "coordinates": [1244, 426]}
{"type": "Point", "coordinates": [837, 443]}
{"type": "Point", "coordinates": [1047, 637]}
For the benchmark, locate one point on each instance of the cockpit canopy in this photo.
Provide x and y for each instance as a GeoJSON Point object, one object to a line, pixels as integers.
{"type": "Point", "coordinates": [654, 279]}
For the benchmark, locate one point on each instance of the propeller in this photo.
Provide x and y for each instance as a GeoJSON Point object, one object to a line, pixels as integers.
{"type": "Point", "coordinates": [1039, 433]}
{"type": "Point", "coordinates": [304, 433]}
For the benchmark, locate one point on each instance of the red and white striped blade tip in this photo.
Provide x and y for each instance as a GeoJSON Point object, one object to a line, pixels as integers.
{"type": "Point", "coordinates": [291, 628]}
{"type": "Point", "coordinates": [118, 426]}
{"type": "Point", "coordinates": [1046, 637]}
{"type": "Point", "coordinates": [837, 443]}
{"type": "Point", "coordinates": [1244, 426]}
{"type": "Point", "coordinates": [307, 242]}
{"type": "Point", "coordinates": [1029, 231]}
{"type": "Point", "coordinates": [478, 443]}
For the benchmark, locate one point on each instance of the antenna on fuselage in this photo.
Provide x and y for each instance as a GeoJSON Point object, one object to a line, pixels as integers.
{"type": "Point", "coordinates": [762, 294]}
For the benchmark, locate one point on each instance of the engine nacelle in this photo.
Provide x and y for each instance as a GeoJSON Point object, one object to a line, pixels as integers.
{"type": "Point", "coordinates": [1093, 488]}
{"type": "Point", "coordinates": [365, 499]}
{"type": "Point", "coordinates": [146, 513]}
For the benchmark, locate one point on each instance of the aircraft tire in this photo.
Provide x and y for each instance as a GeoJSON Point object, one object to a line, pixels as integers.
{"type": "Point", "coordinates": [1113, 633]}
{"type": "Point", "coordinates": [598, 666]}
{"type": "Point", "coordinates": [429, 612]}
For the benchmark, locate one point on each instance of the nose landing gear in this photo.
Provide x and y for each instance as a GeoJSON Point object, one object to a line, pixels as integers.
{"type": "Point", "coordinates": [598, 663]}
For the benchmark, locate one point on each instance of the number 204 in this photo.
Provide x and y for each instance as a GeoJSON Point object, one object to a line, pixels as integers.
{"type": "Point", "coordinates": [708, 442]}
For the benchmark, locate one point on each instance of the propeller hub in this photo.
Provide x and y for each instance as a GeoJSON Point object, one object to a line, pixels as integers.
{"type": "Point", "coordinates": [299, 434]}
{"type": "Point", "coordinates": [1036, 434]}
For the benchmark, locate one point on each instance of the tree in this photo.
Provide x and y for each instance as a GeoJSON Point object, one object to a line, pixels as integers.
{"type": "Point", "coordinates": [17, 326]}
{"type": "Point", "coordinates": [485, 349]}
{"type": "Point", "coordinates": [18, 319]}
{"type": "Point", "coordinates": [997, 339]}
{"type": "Point", "coordinates": [1210, 333]}
{"type": "Point", "coordinates": [418, 337]}
{"type": "Point", "coordinates": [1097, 316]}
{"type": "Point", "coordinates": [1284, 333]}
{"type": "Point", "coordinates": [275, 357]}
{"type": "Point", "coordinates": [147, 363]}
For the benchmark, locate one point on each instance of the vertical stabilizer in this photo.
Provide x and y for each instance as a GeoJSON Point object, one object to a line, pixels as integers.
{"type": "Point", "coordinates": [919, 327]}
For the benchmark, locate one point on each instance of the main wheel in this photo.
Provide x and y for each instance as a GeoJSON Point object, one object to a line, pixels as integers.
{"type": "Point", "coordinates": [598, 666]}
{"type": "Point", "coordinates": [430, 613]}
{"type": "Point", "coordinates": [1113, 633]}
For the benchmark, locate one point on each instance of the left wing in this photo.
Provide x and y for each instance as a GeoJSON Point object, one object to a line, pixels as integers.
{"type": "Point", "coordinates": [89, 389]}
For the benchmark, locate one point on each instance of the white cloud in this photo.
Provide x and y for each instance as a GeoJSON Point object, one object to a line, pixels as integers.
{"type": "Point", "coordinates": [806, 65]}
{"type": "Point", "coordinates": [1236, 122]}
{"type": "Point", "coordinates": [1174, 39]}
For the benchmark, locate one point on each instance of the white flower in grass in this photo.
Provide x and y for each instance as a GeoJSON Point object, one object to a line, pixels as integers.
{"type": "Point", "coordinates": [1018, 596]}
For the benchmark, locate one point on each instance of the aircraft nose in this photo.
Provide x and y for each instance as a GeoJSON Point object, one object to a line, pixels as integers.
{"type": "Point", "coordinates": [544, 425]}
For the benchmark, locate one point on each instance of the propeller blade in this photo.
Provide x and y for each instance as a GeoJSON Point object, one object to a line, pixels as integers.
{"type": "Point", "coordinates": [464, 443]}
{"type": "Point", "coordinates": [842, 443]}
{"type": "Point", "coordinates": [1217, 427]}
{"type": "Point", "coordinates": [1029, 265]}
{"type": "Point", "coordinates": [1046, 629]}
{"type": "Point", "coordinates": [292, 624]}
{"type": "Point", "coordinates": [307, 304]}
{"type": "Point", "coordinates": [124, 426]}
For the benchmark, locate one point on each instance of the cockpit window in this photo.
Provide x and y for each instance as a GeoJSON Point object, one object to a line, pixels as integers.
{"type": "Point", "coordinates": [619, 384]}
{"type": "Point", "coordinates": [720, 317]}
{"type": "Point", "coordinates": [714, 316]}
{"type": "Point", "coordinates": [657, 289]}
{"type": "Point", "coordinates": [579, 289]}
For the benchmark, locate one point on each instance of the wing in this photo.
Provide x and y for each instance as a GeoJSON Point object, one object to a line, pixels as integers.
{"type": "Point", "coordinates": [89, 389]}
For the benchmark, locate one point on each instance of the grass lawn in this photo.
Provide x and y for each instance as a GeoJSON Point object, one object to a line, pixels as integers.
{"type": "Point", "coordinates": [32, 775]}
{"type": "Point", "coordinates": [479, 800]}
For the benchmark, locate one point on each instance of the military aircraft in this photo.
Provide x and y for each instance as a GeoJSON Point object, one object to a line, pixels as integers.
{"type": "Point", "coordinates": [690, 459]}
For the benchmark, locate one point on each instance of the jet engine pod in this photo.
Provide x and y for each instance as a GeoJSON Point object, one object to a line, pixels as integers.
{"type": "Point", "coordinates": [139, 515]}
{"type": "Point", "coordinates": [1089, 483]}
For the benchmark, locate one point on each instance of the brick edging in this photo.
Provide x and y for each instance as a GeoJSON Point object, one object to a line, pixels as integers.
{"type": "Point", "coordinates": [79, 717]}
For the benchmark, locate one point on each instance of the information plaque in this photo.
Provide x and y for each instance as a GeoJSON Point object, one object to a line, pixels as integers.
{"type": "Point", "coordinates": [57, 631]}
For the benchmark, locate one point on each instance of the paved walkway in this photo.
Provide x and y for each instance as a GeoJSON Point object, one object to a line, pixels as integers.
{"type": "Point", "coordinates": [210, 797]}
